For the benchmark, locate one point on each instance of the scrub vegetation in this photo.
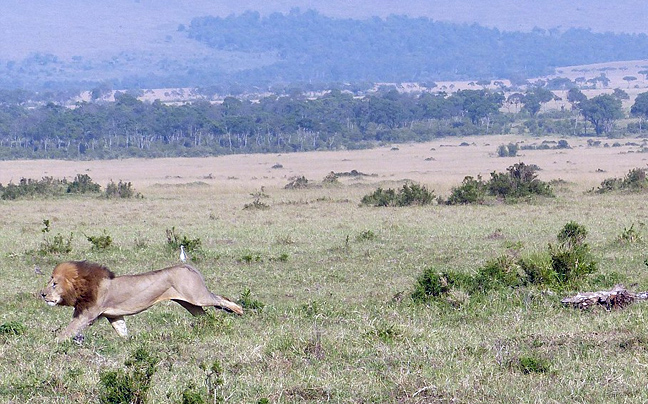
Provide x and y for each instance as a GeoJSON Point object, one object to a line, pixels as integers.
{"type": "Point", "coordinates": [344, 302]}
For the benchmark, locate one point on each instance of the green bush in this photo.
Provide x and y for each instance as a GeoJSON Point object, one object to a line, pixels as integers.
{"type": "Point", "coordinates": [100, 242]}
{"type": "Point", "coordinates": [519, 181]}
{"type": "Point", "coordinates": [509, 150]}
{"type": "Point", "coordinates": [82, 184]}
{"type": "Point", "coordinates": [249, 303]}
{"type": "Point", "coordinates": [129, 386]}
{"type": "Point", "coordinates": [56, 245]}
{"type": "Point", "coordinates": [501, 272]}
{"type": "Point", "coordinates": [30, 188]}
{"type": "Point", "coordinates": [12, 328]}
{"type": "Point", "coordinates": [408, 195]}
{"type": "Point", "coordinates": [635, 180]}
{"type": "Point", "coordinates": [380, 197]}
{"type": "Point", "coordinates": [565, 265]}
{"type": "Point", "coordinates": [120, 190]}
{"type": "Point", "coordinates": [432, 285]}
{"type": "Point", "coordinates": [471, 190]}
{"type": "Point", "coordinates": [175, 240]}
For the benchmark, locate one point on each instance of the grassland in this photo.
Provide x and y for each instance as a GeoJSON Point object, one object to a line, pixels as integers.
{"type": "Point", "coordinates": [338, 324]}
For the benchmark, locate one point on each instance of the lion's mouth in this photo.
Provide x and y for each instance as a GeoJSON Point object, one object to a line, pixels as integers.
{"type": "Point", "coordinates": [51, 302]}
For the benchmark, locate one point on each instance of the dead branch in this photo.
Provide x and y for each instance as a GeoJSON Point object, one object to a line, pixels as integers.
{"type": "Point", "coordinates": [615, 298]}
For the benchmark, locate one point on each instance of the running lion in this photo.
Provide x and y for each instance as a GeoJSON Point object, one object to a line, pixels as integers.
{"type": "Point", "coordinates": [94, 291]}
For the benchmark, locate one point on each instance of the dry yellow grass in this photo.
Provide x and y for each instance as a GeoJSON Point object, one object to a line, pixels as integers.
{"type": "Point", "coordinates": [331, 327]}
{"type": "Point", "coordinates": [440, 164]}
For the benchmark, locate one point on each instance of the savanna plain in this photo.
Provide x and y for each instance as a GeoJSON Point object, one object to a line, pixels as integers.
{"type": "Point", "coordinates": [327, 283]}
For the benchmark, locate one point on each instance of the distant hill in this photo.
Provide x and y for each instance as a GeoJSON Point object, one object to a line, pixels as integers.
{"type": "Point", "coordinates": [124, 44]}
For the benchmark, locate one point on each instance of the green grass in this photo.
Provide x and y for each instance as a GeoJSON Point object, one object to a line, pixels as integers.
{"type": "Point", "coordinates": [337, 322]}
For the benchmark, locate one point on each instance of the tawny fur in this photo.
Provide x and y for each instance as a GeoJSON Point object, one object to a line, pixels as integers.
{"type": "Point", "coordinates": [94, 292]}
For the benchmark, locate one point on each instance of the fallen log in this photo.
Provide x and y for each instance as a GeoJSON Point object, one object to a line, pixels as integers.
{"type": "Point", "coordinates": [615, 298]}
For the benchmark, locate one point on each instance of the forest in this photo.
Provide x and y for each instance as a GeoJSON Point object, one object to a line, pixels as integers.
{"type": "Point", "coordinates": [337, 120]}
{"type": "Point", "coordinates": [251, 53]}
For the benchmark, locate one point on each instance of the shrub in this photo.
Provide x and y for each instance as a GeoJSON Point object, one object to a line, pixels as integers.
{"type": "Point", "coordinates": [509, 150]}
{"type": "Point", "coordinates": [100, 242]}
{"type": "Point", "coordinates": [192, 395]}
{"type": "Point", "coordinates": [120, 190]}
{"type": "Point", "coordinates": [498, 273]}
{"type": "Point", "coordinates": [564, 265]}
{"type": "Point", "coordinates": [12, 328]}
{"type": "Point", "coordinates": [380, 197]}
{"type": "Point", "coordinates": [635, 180]}
{"type": "Point", "coordinates": [56, 245]}
{"type": "Point", "coordinates": [629, 235]}
{"type": "Point", "coordinates": [366, 235]}
{"type": "Point", "coordinates": [297, 183]}
{"type": "Point", "coordinates": [432, 285]}
{"type": "Point", "coordinates": [256, 204]}
{"type": "Point", "coordinates": [571, 259]}
{"type": "Point", "coordinates": [414, 194]}
{"type": "Point", "coordinates": [29, 188]}
{"type": "Point", "coordinates": [471, 190]}
{"type": "Point", "coordinates": [409, 194]}
{"type": "Point", "coordinates": [520, 180]}
{"type": "Point", "coordinates": [175, 240]}
{"type": "Point", "coordinates": [247, 302]}
{"type": "Point", "coordinates": [331, 179]}
{"type": "Point", "coordinates": [130, 385]}
{"type": "Point", "coordinates": [83, 184]}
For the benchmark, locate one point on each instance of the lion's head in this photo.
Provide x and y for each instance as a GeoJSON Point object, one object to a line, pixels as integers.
{"type": "Point", "coordinates": [75, 283]}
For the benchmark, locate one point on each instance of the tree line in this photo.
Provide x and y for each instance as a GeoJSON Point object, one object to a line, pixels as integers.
{"type": "Point", "coordinates": [129, 127]}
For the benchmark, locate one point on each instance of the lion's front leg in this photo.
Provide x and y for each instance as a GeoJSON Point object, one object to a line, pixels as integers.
{"type": "Point", "coordinates": [78, 324]}
{"type": "Point", "coordinates": [119, 324]}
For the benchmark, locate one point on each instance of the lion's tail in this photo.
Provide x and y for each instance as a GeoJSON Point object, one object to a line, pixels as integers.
{"type": "Point", "coordinates": [228, 305]}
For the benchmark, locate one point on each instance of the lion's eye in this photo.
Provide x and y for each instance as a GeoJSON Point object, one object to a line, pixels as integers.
{"type": "Point", "coordinates": [53, 284]}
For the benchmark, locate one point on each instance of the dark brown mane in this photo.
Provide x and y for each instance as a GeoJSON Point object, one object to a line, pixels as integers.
{"type": "Point", "coordinates": [86, 284]}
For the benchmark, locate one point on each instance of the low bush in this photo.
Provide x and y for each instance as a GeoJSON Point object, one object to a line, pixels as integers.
{"type": "Point", "coordinates": [130, 385]}
{"type": "Point", "coordinates": [249, 303]}
{"type": "Point", "coordinates": [408, 195]}
{"type": "Point", "coordinates": [563, 265]}
{"type": "Point", "coordinates": [12, 328]}
{"type": "Point", "coordinates": [100, 242]}
{"type": "Point", "coordinates": [519, 180]}
{"type": "Point", "coordinates": [121, 190]}
{"type": "Point", "coordinates": [509, 150]}
{"type": "Point", "coordinates": [30, 188]}
{"type": "Point", "coordinates": [82, 184]}
{"type": "Point", "coordinates": [48, 186]}
{"type": "Point", "coordinates": [471, 190]}
{"type": "Point", "coordinates": [635, 180]}
{"type": "Point", "coordinates": [297, 183]}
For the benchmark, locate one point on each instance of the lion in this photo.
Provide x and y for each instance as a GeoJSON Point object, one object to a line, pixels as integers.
{"type": "Point", "coordinates": [94, 291]}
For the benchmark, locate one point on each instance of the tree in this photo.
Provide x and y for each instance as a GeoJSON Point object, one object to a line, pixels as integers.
{"type": "Point", "coordinates": [575, 97]}
{"type": "Point", "coordinates": [644, 73]}
{"type": "Point", "coordinates": [534, 98]}
{"type": "Point", "coordinates": [620, 94]}
{"type": "Point", "coordinates": [629, 79]}
{"type": "Point", "coordinates": [601, 111]}
{"type": "Point", "coordinates": [640, 108]}
{"type": "Point", "coordinates": [478, 104]}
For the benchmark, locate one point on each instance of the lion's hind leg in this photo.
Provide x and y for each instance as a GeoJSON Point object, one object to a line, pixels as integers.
{"type": "Point", "coordinates": [119, 325]}
{"type": "Point", "coordinates": [191, 308]}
